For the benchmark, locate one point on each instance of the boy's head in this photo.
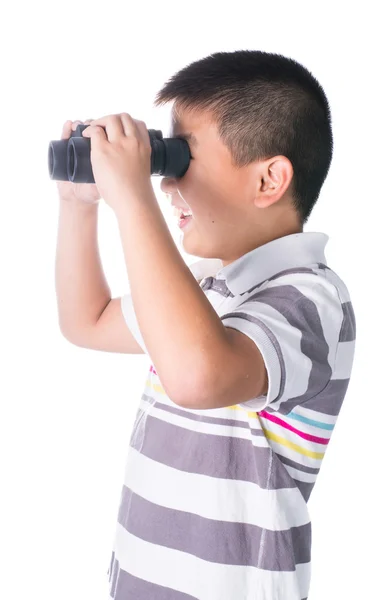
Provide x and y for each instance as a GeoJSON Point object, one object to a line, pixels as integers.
{"type": "Point", "coordinates": [262, 150]}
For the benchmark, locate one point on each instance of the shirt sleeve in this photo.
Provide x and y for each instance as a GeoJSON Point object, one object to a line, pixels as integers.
{"type": "Point", "coordinates": [298, 340]}
{"type": "Point", "coordinates": [131, 321]}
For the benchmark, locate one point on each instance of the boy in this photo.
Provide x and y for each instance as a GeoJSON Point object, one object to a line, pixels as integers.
{"type": "Point", "coordinates": [251, 347]}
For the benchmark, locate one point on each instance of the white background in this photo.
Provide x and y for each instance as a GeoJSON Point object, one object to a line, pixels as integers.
{"type": "Point", "coordinates": [67, 412]}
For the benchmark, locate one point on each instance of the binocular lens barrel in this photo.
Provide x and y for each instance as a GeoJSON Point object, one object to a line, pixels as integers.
{"type": "Point", "coordinates": [70, 160]}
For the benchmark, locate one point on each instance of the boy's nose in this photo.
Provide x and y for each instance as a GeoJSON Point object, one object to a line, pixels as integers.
{"type": "Point", "coordinates": [167, 185]}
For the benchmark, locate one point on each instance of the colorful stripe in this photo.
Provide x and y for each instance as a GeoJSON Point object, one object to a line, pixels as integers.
{"type": "Point", "coordinates": [306, 436]}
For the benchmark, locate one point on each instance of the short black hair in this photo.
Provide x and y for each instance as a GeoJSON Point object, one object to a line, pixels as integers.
{"type": "Point", "coordinates": [264, 105]}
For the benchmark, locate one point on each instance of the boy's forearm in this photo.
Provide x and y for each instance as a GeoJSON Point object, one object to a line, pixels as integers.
{"type": "Point", "coordinates": [81, 288]}
{"type": "Point", "coordinates": [184, 335]}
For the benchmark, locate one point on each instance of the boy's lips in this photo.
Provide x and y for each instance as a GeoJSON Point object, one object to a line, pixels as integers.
{"type": "Point", "coordinates": [184, 221]}
{"type": "Point", "coordinates": [179, 211]}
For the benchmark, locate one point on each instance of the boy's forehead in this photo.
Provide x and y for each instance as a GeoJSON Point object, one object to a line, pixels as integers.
{"type": "Point", "coordinates": [189, 123]}
{"type": "Point", "coordinates": [178, 122]}
{"type": "Point", "coordinates": [189, 118]}
{"type": "Point", "coordinates": [176, 125]}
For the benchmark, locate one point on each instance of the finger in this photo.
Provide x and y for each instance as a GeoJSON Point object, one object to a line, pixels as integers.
{"type": "Point", "coordinates": [96, 132]}
{"type": "Point", "coordinates": [75, 124]}
{"type": "Point", "coordinates": [113, 127]}
{"type": "Point", "coordinates": [66, 131]}
{"type": "Point", "coordinates": [129, 125]}
{"type": "Point", "coordinates": [70, 126]}
{"type": "Point", "coordinates": [88, 121]}
{"type": "Point", "coordinates": [143, 131]}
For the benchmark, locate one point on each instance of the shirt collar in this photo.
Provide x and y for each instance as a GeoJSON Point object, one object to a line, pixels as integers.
{"type": "Point", "coordinates": [287, 252]}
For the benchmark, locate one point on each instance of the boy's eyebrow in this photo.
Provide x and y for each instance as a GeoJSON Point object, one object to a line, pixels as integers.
{"type": "Point", "coordinates": [189, 137]}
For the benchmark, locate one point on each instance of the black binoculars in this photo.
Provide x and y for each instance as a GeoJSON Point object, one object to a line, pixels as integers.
{"type": "Point", "coordinates": [70, 159]}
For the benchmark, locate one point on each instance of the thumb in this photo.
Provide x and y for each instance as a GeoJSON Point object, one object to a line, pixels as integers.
{"type": "Point", "coordinates": [95, 131]}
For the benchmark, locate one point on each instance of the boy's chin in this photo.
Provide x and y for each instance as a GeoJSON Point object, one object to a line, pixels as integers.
{"type": "Point", "coordinates": [190, 244]}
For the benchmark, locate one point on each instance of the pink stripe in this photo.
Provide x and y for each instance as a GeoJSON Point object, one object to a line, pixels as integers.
{"type": "Point", "coordinates": [270, 417]}
{"type": "Point", "coordinates": [306, 436]}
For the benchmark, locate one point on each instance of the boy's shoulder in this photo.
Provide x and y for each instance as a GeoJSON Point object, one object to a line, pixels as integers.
{"type": "Point", "coordinates": [312, 273]}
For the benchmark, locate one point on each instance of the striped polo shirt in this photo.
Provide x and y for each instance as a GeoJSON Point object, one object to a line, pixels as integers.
{"type": "Point", "coordinates": [214, 502]}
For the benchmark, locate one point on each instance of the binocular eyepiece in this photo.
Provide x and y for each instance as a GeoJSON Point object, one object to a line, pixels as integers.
{"type": "Point", "coordinates": [70, 159]}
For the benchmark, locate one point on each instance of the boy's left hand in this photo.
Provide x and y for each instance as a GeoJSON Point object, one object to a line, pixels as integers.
{"type": "Point", "coordinates": [120, 157]}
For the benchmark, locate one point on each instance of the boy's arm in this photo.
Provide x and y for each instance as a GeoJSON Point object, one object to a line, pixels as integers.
{"type": "Point", "coordinates": [110, 333]}
{"type": "Point", "coordinates": [81, 288]}
{"type": "Point", "coordinates": [189, 346]}
{"type": "Point", "coordinates": [184, 352]}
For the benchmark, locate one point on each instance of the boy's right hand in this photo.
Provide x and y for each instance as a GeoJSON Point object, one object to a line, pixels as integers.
{"type": "Point", "coordinates": [77, 192]}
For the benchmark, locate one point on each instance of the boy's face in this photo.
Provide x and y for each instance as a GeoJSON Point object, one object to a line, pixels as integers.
{"type": "Point", "coordinates": [226, 203]}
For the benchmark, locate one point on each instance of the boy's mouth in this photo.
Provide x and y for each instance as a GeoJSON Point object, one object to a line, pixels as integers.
{"type": "Point", "coordinates": [181, 213]}
{"type": "Point", "coordinates": [184, 216]}
{"type": "Point", "coordinates": [184, 221]}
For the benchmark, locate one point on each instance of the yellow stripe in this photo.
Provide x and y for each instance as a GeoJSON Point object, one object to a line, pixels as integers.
{"type": "Point", "coordinates": [295, 447]}
{"type": "Point", "coordinates": [272, 436]}
{"type": "Point", "coordinates": [156, 387]}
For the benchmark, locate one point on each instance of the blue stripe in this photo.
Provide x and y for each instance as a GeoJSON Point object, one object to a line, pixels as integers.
{"type": "Point", "coordinates": [319, 424]}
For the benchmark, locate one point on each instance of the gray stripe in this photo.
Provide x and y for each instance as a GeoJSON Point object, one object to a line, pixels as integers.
{"type": "Point", "coordinates": [218, 456]}
{"type": "Point", "coordinates": [142, 590]}
{"type": "Point", "coordinates": [273, 339]}
{"type": "Point", "coordinates": [302, 313]}
{"type": "Point", "coordinates": [113, 576]}
{"type": "Point", "coordinates": [220, 286]}
{"type": "Point", "coordinates": [295, 270]}
{"type": "Point", "coordinates": [305, 488]}
{"type": "Point", "coordinates": [281, 274]}
{"type": "Point", "coordinates": [125, 587]}
{"type": "Point", "coordinates": [213, 540]}
{"type": "Point", "coordinates": [296, 465]}
{"type": "Point", "coordinates": [110, 569]}
{"type": "Point", "coordinates": [330, 399]}
{"type": "Point", "coordinates": [194, 416]}
{"type": "Point", "coordinates": [348, 326]}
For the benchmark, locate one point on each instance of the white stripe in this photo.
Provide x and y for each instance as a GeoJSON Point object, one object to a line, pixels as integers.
{"type": "Point", "coordinates": [269, 354]}
{"type": "Point", "coordinates": [155, 389]}
{"type": "Point", "coordinates": [300, 475]}
{"type": "Point", "coordinates": [202, 579]}
{"type": "Point", "coordinates": [310, 285]}
{"type": "Point", "coordinates": [327, 302]}
{"type": "Point", "coordinates": [342, 289]}
{"type": "Point", "coordinates": [130, 318]}
{"type": "Point", "coordinates": [230, 431]}
{"type": "Point", "coordinates": [293, 437]}
{"type": "Point", "coordinates": [297, 365]}
{"type": "Point", "coordinates": [304, 427]}
{"type": "Point", "coordinates": [326, 299]}
{"type": "Point", "coordinates": [302, 459]}
{"type": "Point", "coordinates": [309, 413]}
{"type": "Point", "coordinates": [245, 501]}
{"type": "Point", "coordinates": [344, 359]}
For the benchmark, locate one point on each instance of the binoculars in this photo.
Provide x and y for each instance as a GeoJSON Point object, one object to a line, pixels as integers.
{"type": "Point", "coordinates": [70, 159]}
